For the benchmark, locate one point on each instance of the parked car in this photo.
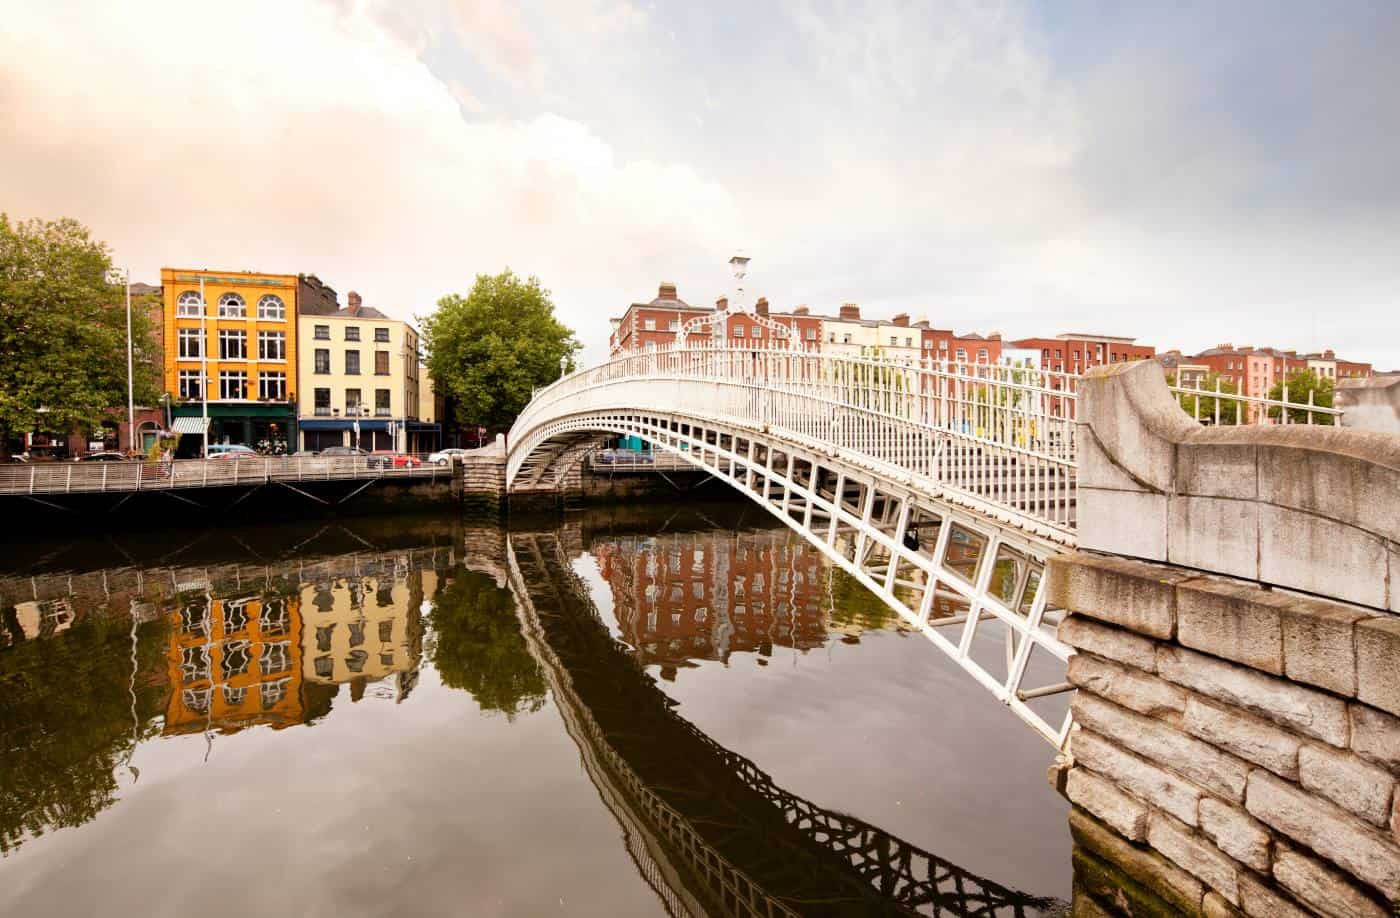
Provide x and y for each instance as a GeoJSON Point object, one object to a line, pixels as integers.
{"type": "Point", "coordinates": [103, 456]}
{"type": "Point", "coordinates": [624, 457]}
{"type": "Point", "coordinates": [444, 456]}
{"type": "Point", "coordinates": [231, 451]}
{"type": "Point", "coordinates": [334, 451]}
{"type": "Point", "coordinates": [389, 459]}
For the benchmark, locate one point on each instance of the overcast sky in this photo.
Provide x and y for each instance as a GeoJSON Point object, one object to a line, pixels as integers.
{"type": "Point", "coordinates": [1185, 173]}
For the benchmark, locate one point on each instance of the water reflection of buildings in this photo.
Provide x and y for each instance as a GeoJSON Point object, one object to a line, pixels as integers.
{"type": "Point", "coordinates": [680, 596]}
{"type": "Point", "coordinates": [277, 658]}
{"type": "Point", "coordinates": [363, 629]}
{"type": "Point", "coordinates": [234, 662]}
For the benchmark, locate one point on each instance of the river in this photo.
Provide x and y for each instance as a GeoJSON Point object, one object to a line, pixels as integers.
{"type": "Point", "coordinates": [624, 711]}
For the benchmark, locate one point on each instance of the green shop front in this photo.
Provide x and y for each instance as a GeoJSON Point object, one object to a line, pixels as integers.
{"type": "Point", "coordinates": [268, 427]}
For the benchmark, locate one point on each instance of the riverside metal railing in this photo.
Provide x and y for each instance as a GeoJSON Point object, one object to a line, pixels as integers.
{"type": "Point", "coordinates": [1001, 435]}
{"type": "Point", "coordinates": [37, 478]}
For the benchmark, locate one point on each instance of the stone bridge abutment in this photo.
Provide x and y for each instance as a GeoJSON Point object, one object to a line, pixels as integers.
{"type": "Point", "coordinates": [1234, 605]}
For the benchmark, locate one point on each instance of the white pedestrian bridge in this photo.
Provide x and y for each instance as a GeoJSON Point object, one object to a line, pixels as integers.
{"type": "Point", "coordinates": [943, 487]}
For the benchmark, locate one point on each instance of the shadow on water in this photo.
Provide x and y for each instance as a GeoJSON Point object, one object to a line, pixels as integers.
{"type": "Point", "coordinates": [105, 646]}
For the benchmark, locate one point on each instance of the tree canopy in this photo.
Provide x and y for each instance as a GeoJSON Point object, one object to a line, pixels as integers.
{"type": "Point", "coordinates": [488, 351]}
{"type": "Point", "coordinates": [1300, 384]}
{"type": "Point", "coordinates": [63, 330]}
{"type": "Point", "coordinates": [480, 648]}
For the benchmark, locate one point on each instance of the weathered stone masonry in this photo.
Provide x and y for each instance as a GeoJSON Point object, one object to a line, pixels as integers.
{"type": "Point", "coordinates": [1237, 742]}
{"type": "Point", "coordinates": [1232, 742]}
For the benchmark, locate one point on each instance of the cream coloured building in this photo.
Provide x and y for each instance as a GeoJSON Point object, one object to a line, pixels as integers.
{"type": "Point", "coordinates": [363, 629]}
{"type": "Point", "coordinates": [361, 381]}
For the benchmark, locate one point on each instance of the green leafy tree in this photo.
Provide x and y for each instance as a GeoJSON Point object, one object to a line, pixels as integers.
{"type": "Point", "coordinates": [63, 330]}
{"type": "Point", "coordinates": [1301, 384]}
{"type": "Point", "coordinates": [479, 646]}
{"type": "Point", "coordinates": [489, 350]}
{"type": "Point", "coordinates": [1203, 407]}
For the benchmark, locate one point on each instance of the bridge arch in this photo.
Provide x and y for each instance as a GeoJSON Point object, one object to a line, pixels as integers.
{"type": "Point", "coordinates": [892, 471]}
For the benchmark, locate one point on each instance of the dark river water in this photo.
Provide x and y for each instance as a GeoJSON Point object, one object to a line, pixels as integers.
{"type": "Point", "coordinates": [621, 712]}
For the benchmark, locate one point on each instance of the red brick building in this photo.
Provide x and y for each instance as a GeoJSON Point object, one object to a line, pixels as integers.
{"type": "Point", "coordinates": [1075, 352]}
{"type": "Point", "coordinates": [1255, 371]}
{"type": "Point", "coordinates": [656, 323]}
{"type": "Point", "coordinates": [943, 344]}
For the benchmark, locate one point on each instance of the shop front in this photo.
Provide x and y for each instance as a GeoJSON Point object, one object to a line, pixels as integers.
{"type": "Point", "coordinates": [267, 428]}
{"type": "Point", "coordinates": [369, 435]}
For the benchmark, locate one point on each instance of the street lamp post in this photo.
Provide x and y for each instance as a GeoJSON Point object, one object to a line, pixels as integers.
{"type": "Point", "coordinates": [130, 386]}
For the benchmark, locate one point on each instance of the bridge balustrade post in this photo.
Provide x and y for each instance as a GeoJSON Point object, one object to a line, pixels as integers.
{"type": "Point", "coordinates": [1233, 607]}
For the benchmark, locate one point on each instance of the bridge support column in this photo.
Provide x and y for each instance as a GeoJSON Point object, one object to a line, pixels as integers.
{"type": "Point", "coordinates": [1236, 745]}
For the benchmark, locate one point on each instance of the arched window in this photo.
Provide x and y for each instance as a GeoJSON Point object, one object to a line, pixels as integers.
{"type": "Point", "coordinates": [272, 307]}
{"type": "Point", "coordinates": [188, 304]}
{"type": "Point", "coordinates": [231, 306]}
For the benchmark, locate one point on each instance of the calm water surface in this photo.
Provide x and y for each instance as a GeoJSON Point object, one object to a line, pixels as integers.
{"type": "Point", "coordinates": [674, 711]}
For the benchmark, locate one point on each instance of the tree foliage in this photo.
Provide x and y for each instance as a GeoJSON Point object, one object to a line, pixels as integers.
{"type": "Point", "coordinates": [489, 350]}
{"type": "Point", "coordinates": [1300, 385]}
{"type": "Point", "coordinates": [479, 646]}
{"type": "Point", "coordinates": [63, 330]}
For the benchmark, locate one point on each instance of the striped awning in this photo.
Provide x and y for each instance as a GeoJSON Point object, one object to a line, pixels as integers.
{"type": "Point", "coordinates": [190, 425]}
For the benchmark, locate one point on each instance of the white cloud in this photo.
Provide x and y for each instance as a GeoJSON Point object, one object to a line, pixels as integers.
{"type": "Point", "coordinates": [311, 138]}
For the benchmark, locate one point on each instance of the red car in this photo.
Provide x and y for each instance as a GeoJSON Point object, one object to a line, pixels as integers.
{"type": "Point", "coordinates": [388, 459]}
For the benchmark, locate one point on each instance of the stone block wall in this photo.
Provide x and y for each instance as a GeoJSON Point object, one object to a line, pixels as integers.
{"type": "Point", "coordinates": [1236, 748]}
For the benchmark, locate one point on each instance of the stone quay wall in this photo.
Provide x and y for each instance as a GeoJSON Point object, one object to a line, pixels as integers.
{"type": "Point", "coordinates": [1236, 749]}
{"type": "Point", "coordinates": [1232, 606]}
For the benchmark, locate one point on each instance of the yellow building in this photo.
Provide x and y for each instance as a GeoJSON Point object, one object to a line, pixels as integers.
{"type": "Point", "coordinates": [240, 344]}
{"type": "Point", "coordinates": [361, 380]}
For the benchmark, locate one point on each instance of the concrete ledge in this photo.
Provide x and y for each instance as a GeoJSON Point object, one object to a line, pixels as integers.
{"type": "Point", "coordinates": [1312, 508]}
{"type": "Point", "coordinates": [1370, 404]}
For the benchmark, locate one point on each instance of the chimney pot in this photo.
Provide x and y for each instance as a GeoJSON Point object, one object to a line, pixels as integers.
{"type": "Point", "coordinates": [761, 307]}
{"type": "Point", "coordinates": [902, 320]}
{"type": "Point", "coordinates": [353, 299]}
{"type": "Point", "coordinates": [801, 311]}
{"type": "Point", "coordinates": [850, 311]}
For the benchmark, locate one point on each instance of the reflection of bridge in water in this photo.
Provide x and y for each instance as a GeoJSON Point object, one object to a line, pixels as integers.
{"type": "Point", "coordinates": [709, 830]}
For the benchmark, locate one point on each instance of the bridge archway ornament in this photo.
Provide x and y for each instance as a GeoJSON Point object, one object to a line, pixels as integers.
{"type": "Point", "coordinates": [718, 321]}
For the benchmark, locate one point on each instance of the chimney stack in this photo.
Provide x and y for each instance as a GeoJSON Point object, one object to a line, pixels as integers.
{"type": "Point", "coordinates": [761, 307]}
{"type": "Point", "coordinates": [802, 311]}
{"type": "Point", "coordinates": [667, 291]}
{"type": "Point", "coordinates": [850, 311]}
{"type": "Point", "coordinates": [353, 299]}
{"type": "Point", "coordinates": [902, 320]}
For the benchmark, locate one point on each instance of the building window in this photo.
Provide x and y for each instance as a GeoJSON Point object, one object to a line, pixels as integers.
{"type": "Point", "coordinates": [322, 400]}
{"type": "Point", "coordinates": [352, 363]}
{"type": "Point", "coordinates": [982, 355]}
{"type": "Point", "coordinates": [381, 363]}
{"type": "Point", "coordinates": [322, 333]}
{"type": "Point", "coordinates": [352, 402]}
{"type": "Point", "coordinates": [846, 338]}
{"type": "Point", "coordinates": [233, 384]}
{"type": "Point", "coordinates": [962, 354]}
{"type": "Point", "coordinates": [272, 307]}
{"type": "Point", "coordinates": [381, 403]}
{"type": "Point", "coordinates": [235, 659]}
{"type": "Point", "coordinates": [189, 304]}
{"type": "Point", "coordinates": [649, 325]}
{"type": "Point", "coordinates": [272, 345]}
{"type": "Point", "coordinates": [352, 333]}
{"type": "Point", "coordinates": [673, 325]}
{"type": "Point", "coordinates": [272, 386]}
{"type": "Point", "coordinates": [189, 386]}
{"type": "Point", "coordinates": [322, 360]}
{"type": "Point", "coordinates": [894, 341]}
{"type": "Point", "coordinates": [231, 306]}
{"type": "Point", "coordinates": [738, 331]}
{"type": "Point", "coordinates": [233, 344]}
{"type": "Point", "coordinates": [381, 335]}
{"type": "Point", "coordinates": [908, 342]}
{"type": "Point", "coordinates": [275, 657]}
{"type": "Point", "coordinates": [190, 340]}
{"type": "Point", "coordinates": [811, 334]}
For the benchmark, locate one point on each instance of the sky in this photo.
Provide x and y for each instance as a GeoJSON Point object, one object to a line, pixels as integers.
{"type": "Point", "coordinates": [1186, 173]}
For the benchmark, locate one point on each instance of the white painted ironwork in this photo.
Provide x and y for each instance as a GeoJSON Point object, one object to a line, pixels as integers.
{"type": "Point", "coordinates": [899, 494]}
{"type": "Point", "coordinates": [1219, 406]}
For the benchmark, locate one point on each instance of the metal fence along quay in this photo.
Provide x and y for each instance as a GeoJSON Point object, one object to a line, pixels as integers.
{"type": "Point", "coordinates": [38, 478]}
